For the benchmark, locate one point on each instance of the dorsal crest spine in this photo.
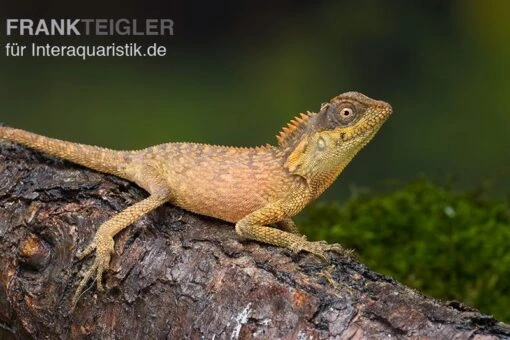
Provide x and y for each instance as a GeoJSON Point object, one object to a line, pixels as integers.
{"type": "Point", "coordinates": [293, 127]}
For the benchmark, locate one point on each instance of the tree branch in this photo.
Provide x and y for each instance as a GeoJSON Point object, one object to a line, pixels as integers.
{"type": "Point", "coordinates": [180, 275]}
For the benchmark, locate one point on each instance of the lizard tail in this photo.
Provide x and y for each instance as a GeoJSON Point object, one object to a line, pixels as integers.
{"type": "Point", "coordinates": [93, 157]}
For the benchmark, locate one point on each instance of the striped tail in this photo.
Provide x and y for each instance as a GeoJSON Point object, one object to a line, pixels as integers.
{"type": "Point", "coordinates": [93, 157]}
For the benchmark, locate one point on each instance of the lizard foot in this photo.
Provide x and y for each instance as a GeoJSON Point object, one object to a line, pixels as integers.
{"type": "Point", "coordinates": [318, 248]}
{"type": "Point", "coordinates": [103, 244]}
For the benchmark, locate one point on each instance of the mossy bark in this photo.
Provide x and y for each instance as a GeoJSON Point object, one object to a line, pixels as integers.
{"type": "Point", "coordinates": [178, 275]}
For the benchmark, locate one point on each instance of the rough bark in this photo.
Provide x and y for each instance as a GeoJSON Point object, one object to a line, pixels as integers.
{"type": "Point", "coordinates": [177, 275]}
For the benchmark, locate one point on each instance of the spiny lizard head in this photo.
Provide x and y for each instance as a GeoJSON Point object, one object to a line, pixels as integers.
{"type": "Point", "coordinates": [323, 143]}
{"type": "Point", "coordinates": [352, 115]}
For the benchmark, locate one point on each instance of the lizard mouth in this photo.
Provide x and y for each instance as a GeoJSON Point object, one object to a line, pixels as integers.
{"type": "Point", "coordinates": [375, 117]}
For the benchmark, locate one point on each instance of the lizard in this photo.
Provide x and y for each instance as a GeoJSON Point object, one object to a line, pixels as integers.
{"type": "Point", "coordinates": [259, 189]}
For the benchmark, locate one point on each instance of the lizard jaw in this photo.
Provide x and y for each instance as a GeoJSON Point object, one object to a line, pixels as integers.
{"type": "Point", "coordinates": [368, 126]}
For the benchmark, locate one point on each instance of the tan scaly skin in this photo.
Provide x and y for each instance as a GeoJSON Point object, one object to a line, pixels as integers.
{"type": "Point", "coordinates": [255, 188]}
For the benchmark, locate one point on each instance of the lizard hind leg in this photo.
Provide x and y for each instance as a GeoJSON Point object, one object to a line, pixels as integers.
{"type": "Point", "coordinates": [254, 226]}
{"type": "Point", "coordinates": [103, 242]}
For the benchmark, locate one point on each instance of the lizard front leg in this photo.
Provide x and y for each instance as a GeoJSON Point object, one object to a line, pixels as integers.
{"type": "Point", "coordinates": [103, 241]}
{"type": "Point", "coordinates": [254, 226]}
{"type": "Point", "coordinates": [289, 226]}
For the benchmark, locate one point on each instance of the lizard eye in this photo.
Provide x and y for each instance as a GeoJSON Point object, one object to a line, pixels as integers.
{"type": "Point", "coordinates": [347, 114]}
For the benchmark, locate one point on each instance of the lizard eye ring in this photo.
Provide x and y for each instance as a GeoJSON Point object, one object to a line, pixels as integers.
{"type": "Point", "coordinates": [347, 114]}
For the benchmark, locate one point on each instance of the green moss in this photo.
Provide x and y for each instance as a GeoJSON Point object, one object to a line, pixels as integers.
{"type": "Point", "coordinates": [447, 244]}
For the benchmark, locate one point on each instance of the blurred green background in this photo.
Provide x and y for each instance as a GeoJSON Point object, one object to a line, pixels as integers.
{"type": "Point", "coordinates": [235, 73]}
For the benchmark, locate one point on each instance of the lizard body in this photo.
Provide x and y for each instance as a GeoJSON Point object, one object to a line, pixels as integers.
{"type": "Point", "coordinates": [259, 189]}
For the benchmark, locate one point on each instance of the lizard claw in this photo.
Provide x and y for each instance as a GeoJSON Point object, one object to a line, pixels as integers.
{"type": "Point", "coordinates": [87, 251]}
{"type": "Point", "coordinates": [104, 247]}
{"type": "Point", "coordinates": [319, 248]}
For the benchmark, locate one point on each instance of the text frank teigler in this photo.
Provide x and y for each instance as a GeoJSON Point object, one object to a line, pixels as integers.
{"type": "Point", "coordinates": [86, 27]}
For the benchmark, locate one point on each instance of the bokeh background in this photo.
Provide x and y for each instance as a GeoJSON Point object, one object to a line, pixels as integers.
{"type": "Point", "coordinates": [236, 72]}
